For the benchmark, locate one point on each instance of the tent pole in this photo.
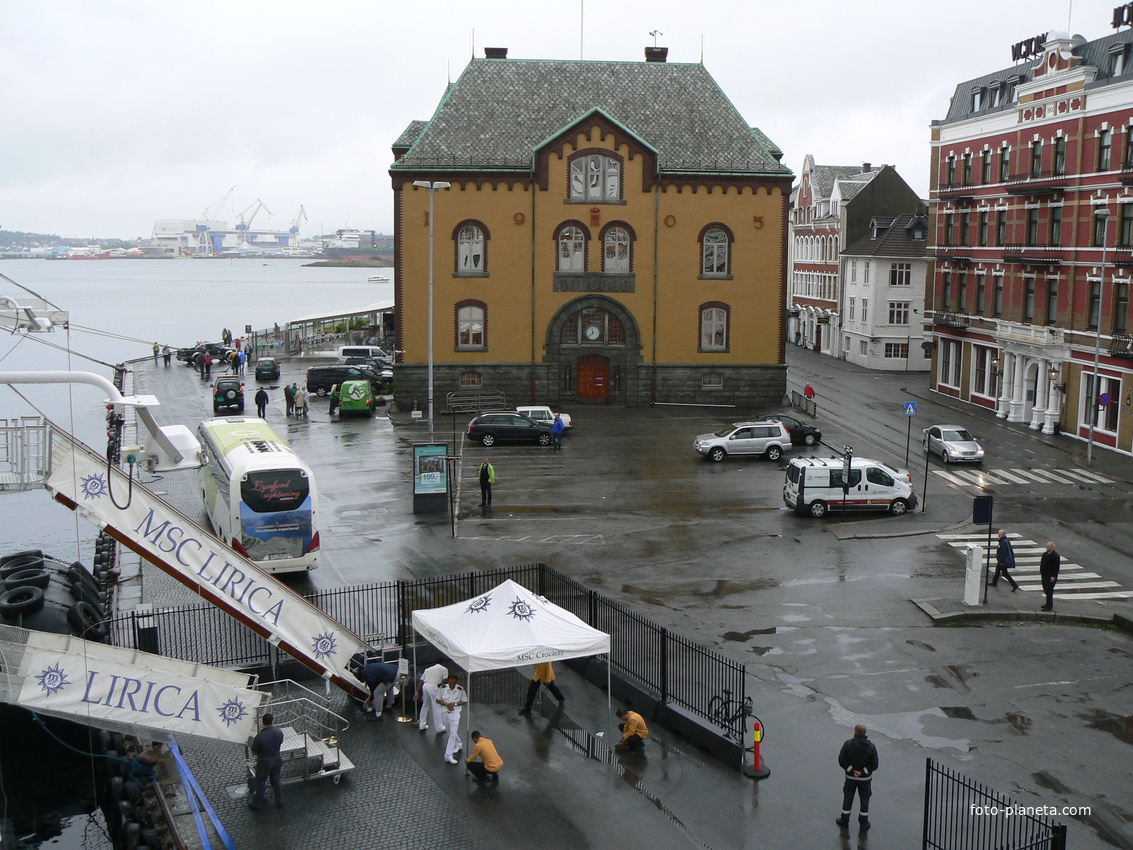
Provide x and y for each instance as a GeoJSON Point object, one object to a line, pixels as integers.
{"type": "Point", "coordinates": [417, 674]}
{"type": "Point", "coordinates": [609, 705]}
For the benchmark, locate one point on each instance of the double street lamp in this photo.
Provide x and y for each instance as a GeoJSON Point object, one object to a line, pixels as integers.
{"type": "Point", "coordinates": [432, 189]}
{"type": "Point", "coordinates": [1101, 212]}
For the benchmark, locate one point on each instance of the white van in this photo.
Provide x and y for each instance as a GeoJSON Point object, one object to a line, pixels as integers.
{"type": "Point", "coordinates": [347, 351]}
{"type": "Point", "coordinates": [814, 486]}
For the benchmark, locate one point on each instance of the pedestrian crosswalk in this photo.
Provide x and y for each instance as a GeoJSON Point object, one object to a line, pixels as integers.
{"type": "Point", "coordinates": [982, 478]}
{"type": "Point", "coordinates": [1074, 580]}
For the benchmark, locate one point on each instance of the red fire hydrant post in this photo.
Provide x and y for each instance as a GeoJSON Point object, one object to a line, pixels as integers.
{"type": "Point", "coordinates": [757, 769]}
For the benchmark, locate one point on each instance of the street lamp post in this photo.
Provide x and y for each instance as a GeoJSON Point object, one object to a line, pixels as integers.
{"type": "Point", "coordinates": [1101, 212]}
{"type": "Point", "coordinates": [431, 188]}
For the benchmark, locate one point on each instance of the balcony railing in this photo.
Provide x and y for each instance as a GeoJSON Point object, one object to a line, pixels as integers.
{"type": "Point", "coordinates": [1123, 255]}
{"type": "Point", "coordinates": [1035, 255]}
{"type": "Point", "coordinates": [961, 254]}
{"type": "Point", "coordinates": [1121, 345]}
{"type": "Point", "coordinates": [1127, 174]}
{"type": "Point", "coordinates": [956, 191]}
{"type": "Point", "coordinates": [949, 319]}
{"type": "Point", "coordinates": [1037, 182]}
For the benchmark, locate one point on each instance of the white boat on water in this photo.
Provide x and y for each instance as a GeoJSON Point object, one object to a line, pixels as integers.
{"type": "Point", "coordinates": [379, 278]}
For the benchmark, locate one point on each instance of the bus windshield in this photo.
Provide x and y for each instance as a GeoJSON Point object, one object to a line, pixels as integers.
{"type": "Point", "coordinates": [274, 490]}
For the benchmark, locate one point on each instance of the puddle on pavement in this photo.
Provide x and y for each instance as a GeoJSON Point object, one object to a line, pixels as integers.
{"type": "Point", "coordinates": [741, 636]}
{"type": "Point", "coordinates": [708, 587]}
{"type": "Point", "coordinates": [1118, 725]}
{"type": "Point", "coordinates": [921, 644]}
{"type": "Point", "coordinates": [958, 712]}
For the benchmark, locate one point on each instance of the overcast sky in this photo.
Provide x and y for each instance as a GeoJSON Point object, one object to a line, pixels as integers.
{"type": "Point", "coordinates": [115, 113]}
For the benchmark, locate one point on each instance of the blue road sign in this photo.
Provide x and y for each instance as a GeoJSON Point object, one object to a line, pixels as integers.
{"type": "Point", "coordinates": [910, 408]}
{"type": "Point", "coordinates": [1104, 399]}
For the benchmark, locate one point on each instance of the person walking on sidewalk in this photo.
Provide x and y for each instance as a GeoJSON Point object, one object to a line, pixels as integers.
{"type": "Point", "coordinates": [544, 675]}
{"type": "Point", "coordinates": [156, 350]}
{"type": "Point", "coordinates": [487, 479]}
{"type": "Point", "coordinates": [167, 354]}
{"type": "Point", "coordinates": [557, 432]}
{"type": "Point", "coordinates": [1048, 572]}
{"type": "Point", "coordinates": [858, 759]}
{"type": "Point", "coordinates": [427, 692]}
{"type": "Point", "coordinates": [452, 699]}
{"type": "Point", "coordinates": [262, 403]}
{"type": "Point", "coordinates": [1004, 561]}
{"type": "Point", "coordinates": [487, 769]}
{"type": "Point", "coordinates": [269, 765]}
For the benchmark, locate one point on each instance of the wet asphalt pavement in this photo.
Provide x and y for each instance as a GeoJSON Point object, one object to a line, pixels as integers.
{"type": "Point", "coordinates": [820, 611]}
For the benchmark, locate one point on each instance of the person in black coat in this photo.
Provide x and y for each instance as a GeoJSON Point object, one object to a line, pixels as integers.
{"type": "Point", "coordinates": [269, 764]}
{"type": "Point", "coordinates": [262, 403]}
{"type": "Point", "coordinates": [858, 759]}
{"type": "Point", "coordinates": [1004, 561]}
{"type": "Point", "coordinates": [1048, 572]}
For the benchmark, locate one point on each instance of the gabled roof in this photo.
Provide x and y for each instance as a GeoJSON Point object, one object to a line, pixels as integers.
{"type": "Point", "coordinates": [822, 177]}
{"type": "Point", "coordinates": [894, 239]}
{"type": "Point", "coordinates": [500, 110]}
{"type": "Point", "coordinates": [409, 136]}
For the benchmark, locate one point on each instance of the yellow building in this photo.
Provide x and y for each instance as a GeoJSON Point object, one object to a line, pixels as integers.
{"type": "Point", "coordinates": [613, 232]}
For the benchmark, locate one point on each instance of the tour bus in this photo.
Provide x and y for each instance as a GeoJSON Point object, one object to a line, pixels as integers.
{"type": "Point", "coordinates": [260, 496]}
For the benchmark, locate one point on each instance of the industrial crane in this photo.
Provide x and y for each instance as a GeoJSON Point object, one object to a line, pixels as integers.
{"type": "Point", "coordinates": [206, 216]}
{"type": "Point", "coordinates": [255, 208]}
{"type": "Point", "coordinates": [300, 217]}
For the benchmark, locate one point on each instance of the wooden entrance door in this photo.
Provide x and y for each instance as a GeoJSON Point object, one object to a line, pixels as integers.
{"type": "Point", "coordinates": [593, 378]}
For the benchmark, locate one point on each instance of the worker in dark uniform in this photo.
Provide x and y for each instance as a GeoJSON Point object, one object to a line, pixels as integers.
{"type": "Point", "coordinates": [269, 765]}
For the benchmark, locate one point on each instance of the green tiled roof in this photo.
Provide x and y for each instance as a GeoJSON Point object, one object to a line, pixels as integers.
{"type": "Point", "coordinates": [499, 110]}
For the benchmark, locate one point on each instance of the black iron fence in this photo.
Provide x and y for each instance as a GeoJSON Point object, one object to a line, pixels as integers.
{"type": "Point", "coordinates": [672, 668]}
{"type": "Point", "coordinates": [961, 813]}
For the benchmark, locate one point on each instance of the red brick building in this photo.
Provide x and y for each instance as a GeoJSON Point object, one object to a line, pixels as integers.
{"type": "Point", "coordinates": [1031, 218]}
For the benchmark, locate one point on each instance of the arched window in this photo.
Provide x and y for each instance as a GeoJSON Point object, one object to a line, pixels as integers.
{"type": "Point", "coordinates": [617, 249]}
{"type": "Point", "coordinates": [714, 252]}
{"type": "Point", "coordinates": [471, 249]}
{"type": "Point", "coordinates": [714, 327]}
{"type": "Point", "coordinates": [572, 247]}
{"type": "Point", "coordinates": [595, 177]}
{"type": "Point", "coordinates": [592, 326]}
{"type": "Point", "coordinates": [471, 325]}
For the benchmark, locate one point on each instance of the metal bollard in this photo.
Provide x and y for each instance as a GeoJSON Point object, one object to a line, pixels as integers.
{"type": "Point", "coordinates": [757, 770]}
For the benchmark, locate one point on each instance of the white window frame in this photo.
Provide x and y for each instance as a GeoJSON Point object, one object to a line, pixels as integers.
{"type": "Point", "coordinates": [899, 312]}
{"type": "Point", "coordinates": [616, 250]}
{"type": "Point", "coordinates": [572, 249]}
{"type": "Point", "coordinates": [713, 329]}
{"type": "Point", "coordinates": [715, 245]}
{"type": "Point", "coordinates": [595, 177]}
{"type": "Point", "coordinates": [470, 321]}
{"type": "Point", "coordinates": [470, 256]}
{"type": "Point", "coordinates": [901, 274]}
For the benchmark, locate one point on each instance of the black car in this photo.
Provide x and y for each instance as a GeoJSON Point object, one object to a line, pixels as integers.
{"type": "Point", "coordinates": [220, 353]}
{"type": "Point", "coordinates": [320, 379]}
{"type": "Point", "coordinates": [267, 369]}
{"type": "Point", "coordinates": [505, 426]}
{"type": "Point", "coordinates": [802, 433]}
{"type": "Point", "coordinates": [227, 393]}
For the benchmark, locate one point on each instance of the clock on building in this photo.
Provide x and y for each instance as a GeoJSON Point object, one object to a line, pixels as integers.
{"type": "Point", "coordinates": [592, 331]}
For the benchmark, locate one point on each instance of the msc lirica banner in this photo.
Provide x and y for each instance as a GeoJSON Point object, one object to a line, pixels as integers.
{"type": "Point", "coordinates": [88, 686]}
{"type": "Point", "coordinates": [185, 550]}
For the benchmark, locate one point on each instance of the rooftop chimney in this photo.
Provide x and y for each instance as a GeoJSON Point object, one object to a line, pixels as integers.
{"type": "Point", "coordinates": [865, 166]}
{"type": "Point", "coordinates": [495, 53]}
{"type": "Point", "coordinates": [656, 54]}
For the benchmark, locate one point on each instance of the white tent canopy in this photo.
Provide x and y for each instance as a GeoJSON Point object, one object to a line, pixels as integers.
{"type": "Point", "coordinates": [509, 626]}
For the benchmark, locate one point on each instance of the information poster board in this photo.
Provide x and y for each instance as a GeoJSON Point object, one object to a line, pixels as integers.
{"type": "Point", "coordinates": [430, 470]}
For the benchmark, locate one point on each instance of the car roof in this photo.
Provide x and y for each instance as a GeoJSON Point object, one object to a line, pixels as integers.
{"type": "Point", "coordinates": [755, 422]}
{"type": "Point", "coordinates": [950, 427]}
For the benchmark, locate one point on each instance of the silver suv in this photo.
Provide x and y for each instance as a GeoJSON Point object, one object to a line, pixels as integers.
{"type": "Point", "coordinates": [769, 439]}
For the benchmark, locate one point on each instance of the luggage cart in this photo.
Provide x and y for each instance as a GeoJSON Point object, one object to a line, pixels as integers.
{"type": "Point", "coordinates": [310, 735]}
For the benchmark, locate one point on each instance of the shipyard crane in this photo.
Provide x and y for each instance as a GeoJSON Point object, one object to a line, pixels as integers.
{"type": "Point", "coordinates": [255, 208]}
{"type": "Point", "coordinates": [300, 217]}
{"type": "Point", "coordinates": [206, 216]}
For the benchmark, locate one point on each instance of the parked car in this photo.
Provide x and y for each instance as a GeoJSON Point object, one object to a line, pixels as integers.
{"type": "Point", "coordinates": [219, 352]}
{"type": "Point", "coordinates": [769, 439]}
{"type": "Point", "coordinates": [542, 413]}
{"type": "Point", "coordinates": [267, 369]}
{"type": "Point", "coordinates": [227, 393]}
{"type": "Point", "coordinates": [508, 426]}
{"type": "Point", "coordinates": [375, 363]}
{"type": "Point", "coordinates": [320, 379]}
{"type": "Point", "coordinates": [814, 486]}
{"type": "Point", "coordinates": [802, 433]}
{"type": "Point", "coordinates": [953, 443]}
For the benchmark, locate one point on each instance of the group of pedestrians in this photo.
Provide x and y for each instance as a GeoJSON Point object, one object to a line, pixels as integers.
{"type": "Point", "coordinates": [165, 352]}
{"type": "Point", "coordinates": [295, 399]}
{"type": "Point", "coordinates": [1049, 565]}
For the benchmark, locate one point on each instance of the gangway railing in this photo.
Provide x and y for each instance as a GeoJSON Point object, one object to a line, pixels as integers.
{"type": "Point", "coordinates": [172, 541]}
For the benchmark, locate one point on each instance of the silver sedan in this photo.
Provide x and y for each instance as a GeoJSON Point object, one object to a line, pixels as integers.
{"type": "Point", "coordinates": [953, 443]}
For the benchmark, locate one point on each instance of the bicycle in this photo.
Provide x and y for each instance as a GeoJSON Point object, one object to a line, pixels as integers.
{"type": "Point", "coordinates": [730, 714]}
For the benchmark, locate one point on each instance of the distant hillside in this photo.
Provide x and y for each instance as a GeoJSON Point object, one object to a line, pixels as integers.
{"type": "Point", "coordinates": [10, 239]}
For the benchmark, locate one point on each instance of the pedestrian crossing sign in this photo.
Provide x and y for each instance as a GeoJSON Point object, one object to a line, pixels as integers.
{"type": "Point", "coordinates": [910, 408]}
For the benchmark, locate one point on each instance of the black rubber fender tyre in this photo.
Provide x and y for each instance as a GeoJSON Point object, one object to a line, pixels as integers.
{"type": "Point", "coordinates": [85, 620]}
{"type": "Point", "coordinates": [81, 593]}
{"type": "Point", "coordinates": [133, 793]}
{"type": "Point", "coordinates": [29, 578]}
{"type": "Point", "coordinates": [117, 787]}
{"type": "Point", "coordinates": [104, 738]}
{"type": "Point", "coordinates": [150, 839]}
{"type": "Point", "coordinates": [22, 560]}
{"type": "Point", "coordinates": [20, 601]}
{"type": "Point", "coordinates": [141, 815]}
{"type": "Point", "coordinates": [84, 578]}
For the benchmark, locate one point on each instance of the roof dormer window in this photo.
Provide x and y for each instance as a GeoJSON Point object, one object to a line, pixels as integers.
{"type": "Point", "coordinates": [977, 99]}
{"type": "Point", "coordinates": [1115, 61]}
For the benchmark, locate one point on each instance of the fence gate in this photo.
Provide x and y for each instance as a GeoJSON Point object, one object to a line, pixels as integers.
{"type": "Point", "coordinates": [960, 813]}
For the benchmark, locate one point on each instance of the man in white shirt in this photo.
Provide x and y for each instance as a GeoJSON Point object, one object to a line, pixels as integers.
{"type": "Point", "coordinates": [452, 698]}
{"type": "Point", "coordinates": [430, 686]}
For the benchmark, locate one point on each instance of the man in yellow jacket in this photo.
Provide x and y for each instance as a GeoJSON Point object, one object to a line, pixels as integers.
{"type": "Point", "coordinates": [544, 675]}
{"type": "Point", "coordinates": [633, 729]}
{"type": "Point", "coordinates": [487, 769]}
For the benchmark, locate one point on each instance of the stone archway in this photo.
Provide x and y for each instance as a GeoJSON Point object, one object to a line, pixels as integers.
{"type": "Point", "coordinates": [583, 343]}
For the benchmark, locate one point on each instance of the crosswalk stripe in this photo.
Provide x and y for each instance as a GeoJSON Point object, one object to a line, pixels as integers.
{"type": "Point", "coordinates": [1077, 476]}
{"type": "Point", "coordinates": [1112, 594]}
{"type": "Point", "coordinates": [1015, 479]}
{"type": "Point", "coordinates": [1027, 474]}
{"type": "Point", "coordinates": [1054, 476]}
{"type": "Point", "coordinates": [1100, 479]}
{"type": "Point", "coordinates": [949, 477]}
{"type": "Point", "coordinates": [1071, 588]}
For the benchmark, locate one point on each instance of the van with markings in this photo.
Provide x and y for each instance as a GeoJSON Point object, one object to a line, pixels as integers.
{"type": "Point", "coordinates": [815, 486]}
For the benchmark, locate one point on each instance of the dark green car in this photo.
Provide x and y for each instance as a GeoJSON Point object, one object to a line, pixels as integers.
{"type": "Point", "coordinates": [228, 393]}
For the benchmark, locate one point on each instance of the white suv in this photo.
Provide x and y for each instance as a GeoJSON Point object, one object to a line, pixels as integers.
{"type": "Point", "coordinates": [769, 439]}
